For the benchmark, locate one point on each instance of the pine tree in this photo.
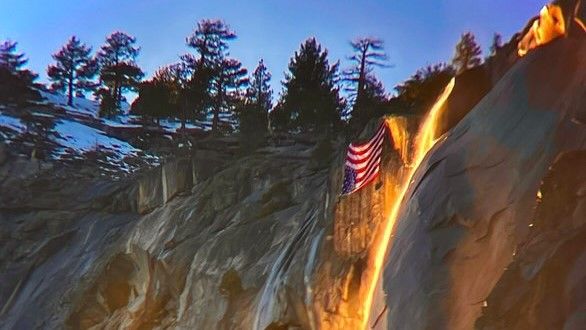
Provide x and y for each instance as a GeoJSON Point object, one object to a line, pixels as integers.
{"type": "Point", "coordinates": [229, 79]}
{"type": "Point", "coordinates": [259, 93]}
{"type": "Point", "coordinates": [198, 98]}
{"type": "Point", "coordinates": [154, 100]}
{"type": "Point", "coordinates": [216, 79]}
{"type": "Point", "coordinates": [368, 53]}
{"type": "Point", "coordinates": [310, 98]}
{"type": "Point", "coordinates": [497, 43]}
{"type": "Point", "coordinates": [13, 62]}
{"type": "Point", "coordinates": [73, 70]}
{"type": "Point", "coordinates": [365, 89]}
{"type": "Point", "coordinates": [9, 59]}
{"type": "Point", "coordinates": [176, 78]}
{"type": "Point", "coordinates": [254, 114]}
{"type": "Point", "coordinates": [119, 72]}
{"type": "Point", "coordinates": [468, 53]}
{"type": "Point", "coordinates": [372, 104]}
{"type": "Point", "coordinates": [210, 40]}
{"type": "Point", "coordinates": [39, 130]}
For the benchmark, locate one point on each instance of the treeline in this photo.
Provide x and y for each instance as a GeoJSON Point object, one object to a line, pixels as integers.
{"type": "Point", "coordinates": [316, 95]}
{"type": "Point", "coordinates": [108, 74]}
{"type": "Point", "coordinates": [114, 65]}
{"type": "Point", "coordinates": [15, 81]}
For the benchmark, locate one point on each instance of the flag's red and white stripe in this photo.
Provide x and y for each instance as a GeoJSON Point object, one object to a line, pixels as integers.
{"type": "Point", "coordinates": [363, 161]}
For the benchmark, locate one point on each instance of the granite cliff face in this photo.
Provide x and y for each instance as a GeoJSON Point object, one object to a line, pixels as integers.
{"type": "Point", "coordinates": [210, 241]}
{"type": "Point", "coordinates": [77, 251]}
{"type": "Point", "coordinates": [490, 233]}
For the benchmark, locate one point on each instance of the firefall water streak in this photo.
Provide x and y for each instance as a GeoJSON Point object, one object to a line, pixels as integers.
{"type": "Point", "coordinates": [400, 134]}
{"type": "Point", "coordinates": [424, 141]}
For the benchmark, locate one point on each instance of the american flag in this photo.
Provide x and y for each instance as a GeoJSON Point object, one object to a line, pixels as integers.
{"type": "Point", "coordinates": [363, 162]}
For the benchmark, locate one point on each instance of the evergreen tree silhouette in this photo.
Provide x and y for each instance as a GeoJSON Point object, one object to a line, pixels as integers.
{"type": "Point", "coordinates": [497, 43]}
{"type": "Point", "coordinates": [366, 91]}
{"type": "Point", "coordinates": [73, 70]}
{"type": "Point", "coordinates": [119, 72]}
{"type": "Point", "coordinates": [216, 79]}
{"type": "Point", "coordinates": [254, 113]}
{"type": "Point", "coordinates": [373, 103]}
{"type": "Point", "coordinates": [229, 78]}
{"type": "Point", "coordinates": [210, 40]}
{"type": "Point", "coordinates": [198, 86]}
{"type": "Point", "coordinates": [368, 54]}
{"type": "Point", "coordinates": [468, 53]}
{"type": "Point", "coordinates": [154, 100]}
{"type": "Point", "coordinates": [259, 92]}
{"type": "Point", "coordinates": [175, 77]}
{"type": "Point", "coordinates": [12, 62]}
{"type": "Point", "coordinates": [310, 98]}
{"type": "Point", "coordinates": [9, 59]}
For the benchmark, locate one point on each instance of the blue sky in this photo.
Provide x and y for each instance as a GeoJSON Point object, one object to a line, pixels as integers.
{"type": "Point", "coordinates": [416, 32]}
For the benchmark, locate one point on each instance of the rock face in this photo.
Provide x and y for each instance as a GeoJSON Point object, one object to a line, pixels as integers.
{"type": "Point", "coordinates": [210, 242]}
{"type": "Point", "coordinates": [206, 243]}
{"type": "Point", "coordinates": [491, 233]}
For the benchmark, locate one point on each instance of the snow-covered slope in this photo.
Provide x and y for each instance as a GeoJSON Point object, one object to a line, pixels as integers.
{"type": "Point", "coordinates": [10, 123]}
{"type": "Point", "coordinates": [52, 129]}
{"type": "Point", "coordinates": [72, 140]}
{"type": "Point", "coordinates": [59, 132]}
{"type": "Point", "coordinates": [90, 108]}
{"type": "Point", "coordinates": [80, 105]}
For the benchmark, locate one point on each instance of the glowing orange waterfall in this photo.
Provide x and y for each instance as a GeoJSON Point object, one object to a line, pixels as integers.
{"type": "Point", "coordinates": [399, 132]}
{"type": "Point", "coordinates": [426, 138]}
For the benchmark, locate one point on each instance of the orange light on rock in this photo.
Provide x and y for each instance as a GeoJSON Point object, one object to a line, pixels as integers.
{"type": "Point", "coordinates": [549, 26]}
{"type": "Point", "coordinates": [425, 140]}
{"type": "Point", "coordinates": [400, 135]}
{"type": "Point", "coordinates": [580, 23]}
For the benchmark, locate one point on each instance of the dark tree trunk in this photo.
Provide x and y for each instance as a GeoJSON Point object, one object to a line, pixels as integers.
{"type": "Point", "coordinates": [217, 108]}
{"type": "Point", "coordinates": [70, 90]}
{"type": "Point", "coordinates": [117, 82]}
{"type": "Point", "coordinates": [216, 119]}
{"type": "Point", "coordinates": [361, 77]}
{"type": "Point", "coordinates": [183, 114]}
{"type": "Point", "coordinates": [117, 90]}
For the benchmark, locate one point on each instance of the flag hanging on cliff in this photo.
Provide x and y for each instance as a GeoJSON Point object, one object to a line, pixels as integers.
{"type": "Point", "coordinates": [363, 162]}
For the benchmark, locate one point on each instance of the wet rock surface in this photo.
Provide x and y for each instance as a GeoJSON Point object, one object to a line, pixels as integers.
{"type": "Point", "coordinates": [211, 242]}
{"type": "Point", "coordinates": [492, 234]}
{"type": "Point", "coordinates": [544, 286]}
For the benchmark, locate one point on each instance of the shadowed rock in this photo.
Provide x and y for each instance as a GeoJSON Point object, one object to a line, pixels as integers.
{"type": "Point", "coordinates": [472, 207]}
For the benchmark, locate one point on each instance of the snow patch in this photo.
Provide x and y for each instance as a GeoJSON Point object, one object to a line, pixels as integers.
{"type": "Point", "coordinates": [80, 105]}
{"type": "Point", "coordinates": [82, 138]}
{"type": "Point", "coordinates": [12, 123]}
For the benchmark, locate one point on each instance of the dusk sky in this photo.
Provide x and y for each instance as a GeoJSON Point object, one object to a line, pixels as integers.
{"type": "Point", "coordinates": [416, 32]}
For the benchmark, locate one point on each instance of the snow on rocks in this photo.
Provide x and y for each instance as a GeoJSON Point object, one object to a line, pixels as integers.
{"type": "Point", "coordinates": [11, 122]}
{"type": "Point", "coordinates": [75, 141]}
{"type": "Point", "coordinates": [83, 138]}
{"type": "Point", "coordinates": [78, 139]}
{"type": "Point", "coordinates": [77, 133]}
{"type": "Point", "coordinates": [80, 105]}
